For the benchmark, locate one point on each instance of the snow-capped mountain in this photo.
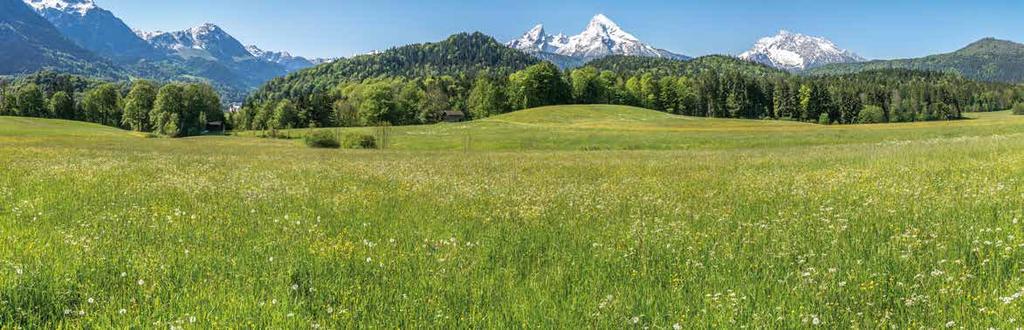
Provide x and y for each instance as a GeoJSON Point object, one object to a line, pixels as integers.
{"type": "Point", "coordinates": [291, 63]}
{"type": "Point", "coordinates": [208, 41]}
{"type": "Point", "coordinates": [94, 28]}
{"type": "Point", "coordinates": [80, 7]}
{"type": "Point", "coordinates": [601, 38]}
{"type": "Point", "coordinates": [796, 52]}
{"type": "Point", "coordinates": [538, 41]}
{"type": "Point", "coordinates": [29, 43]}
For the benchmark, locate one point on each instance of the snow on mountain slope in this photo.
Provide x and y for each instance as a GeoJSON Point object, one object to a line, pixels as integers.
{"type": "Point", "coordinates": [95, 29]}
{"type": "Point", "coordinates": [207, 40]}
{"type": "Point", "coordinates": [601, 38]}
{"type": "Point", "coordinates": [797, 52]}
{"type": "Point", "coordinates": [80, 7]}
{"type": "Point", "coordinates": [291, 63]}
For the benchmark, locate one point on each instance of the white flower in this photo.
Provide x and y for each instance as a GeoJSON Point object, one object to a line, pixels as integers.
{"type": "Point", "coordinates": [295, 287]}
{"type": "Point", "coordinates": [18, 271]}
{"type": "Point", "coordinates": [141, 282]}
{"type": "Point", "coordinates": [677, 327]}
{"type": "Point", "coordinates": [950, 324]}
{"type": "Point", "coordinates": [122, 311]}
{"type": "Point", "coordinates": [635, 319]}
{"type": "Point", "coordinates": [91, 301]}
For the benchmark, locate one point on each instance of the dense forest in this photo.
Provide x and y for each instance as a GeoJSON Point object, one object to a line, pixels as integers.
{"type": "Point", "coordinates": [480, 77]}
{"type": "Point", "coordinates": [407, 86]}
{"type": "Point", "coordinates": [173, 109]}
{"type": "Point", "coordinates": [985, 60]}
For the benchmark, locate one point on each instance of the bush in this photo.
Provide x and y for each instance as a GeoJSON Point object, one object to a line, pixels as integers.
{"type": "Point", "coordinates": [359, 141]}
{"type": "Point", "coordinates": [824, 120]}
{"type": "Point", "coordinates": [871, 114]}
{"type": "Point", "coordinates": [322, 139]}
{"type": "Point", "coordinates": [1018, 108]}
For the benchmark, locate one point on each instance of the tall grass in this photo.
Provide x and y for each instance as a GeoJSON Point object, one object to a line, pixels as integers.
{"type": "Point", "coordinates": [870, 231]}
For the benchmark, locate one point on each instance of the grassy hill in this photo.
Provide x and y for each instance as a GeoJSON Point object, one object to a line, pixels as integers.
{"type": "Point", "coordinates": [38, 127]}
{"type": "Point", "coordinates": [610, 127]}
{"type": "Point", "coordinates": [736, 222]}
{"type": "Point", "coordinates": [985, 60]}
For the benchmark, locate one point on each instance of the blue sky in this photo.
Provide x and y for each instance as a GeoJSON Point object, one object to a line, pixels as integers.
{"type": "Point", "coordinates": [324, 28]}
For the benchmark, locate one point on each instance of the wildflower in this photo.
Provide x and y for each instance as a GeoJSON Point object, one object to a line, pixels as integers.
{"type": "Point", "coordinates": [295, 287]}
{"type": "Point", "coordinates": [91, 301]}
{"type": "Point", "coordinates": [677, 327]}
{"type": "Point", "coordinates": [950, 324]}
{"type": "Point", "coordinates": [141, 282]}
{"type": "Point", "coordinates": [18, 271]}
{"type": "Point", "coordinates": [122, 311]}
{"type": "Point", "coordinates": [191, 319]}
{"type": "Point", "coordinates": [635, 319]}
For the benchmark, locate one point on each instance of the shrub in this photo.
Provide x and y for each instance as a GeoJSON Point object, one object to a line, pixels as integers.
{"type": "Point", "coordinates": [359, 141]}
{"type": "Point", "coordinates": [824, 120]}
{"type": "Point", "coordinates": [871, 114]}
{"type": "Point", "coordinates": [322, 139]}
{"type": "Point", "coordinates": [1018, 108]}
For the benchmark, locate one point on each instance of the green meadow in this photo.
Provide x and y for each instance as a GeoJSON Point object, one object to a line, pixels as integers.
{"type": "Point", "coordinates": [559, 217]}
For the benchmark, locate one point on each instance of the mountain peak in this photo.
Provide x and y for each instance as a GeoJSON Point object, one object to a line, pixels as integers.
{"type": "Point", "coordinates": [992, 45]}
{"type": "Point", "coordinates": [80, 7]}
{"type": "Point", "coordinates": [601, 19]}
{"type": "Point", "coordinates": [602, 37]}
{"type": "Point", "coordinates": [795, 52]}
{"type": "Point", "coordinates": [205, 28]}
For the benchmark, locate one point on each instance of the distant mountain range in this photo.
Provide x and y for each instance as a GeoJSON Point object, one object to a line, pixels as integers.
{"type": "Point", "coordinates": [29, 43]}
{"type": "Point", "coordinates": [79, 37]}
{"type": "Point", "coordinates": [985, 60]}
{"type": "Point", "coordinates": [101, 44]}
{"type": "Point", "coordinates": [601, 38]}
{"type": "Point", "coordinates": [797, 52]}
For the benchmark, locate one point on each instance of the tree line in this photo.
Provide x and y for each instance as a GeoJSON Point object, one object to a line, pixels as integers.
{"type": "Point", "coordinates": [718, 87]}
{"type": "Point", "coordinates": [174, 109]}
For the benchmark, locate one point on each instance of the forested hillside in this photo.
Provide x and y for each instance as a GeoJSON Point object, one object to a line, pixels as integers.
{"type": "Point", "coordinates": [985, 60]}
{"type": "Point", "coordinates": [460, 55]}
{"type": "Point", "coordinates": [473, 74]}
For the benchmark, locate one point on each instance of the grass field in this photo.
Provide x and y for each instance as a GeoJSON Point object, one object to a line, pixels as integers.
{"type": "Point", "coordinates": [569, 217]}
